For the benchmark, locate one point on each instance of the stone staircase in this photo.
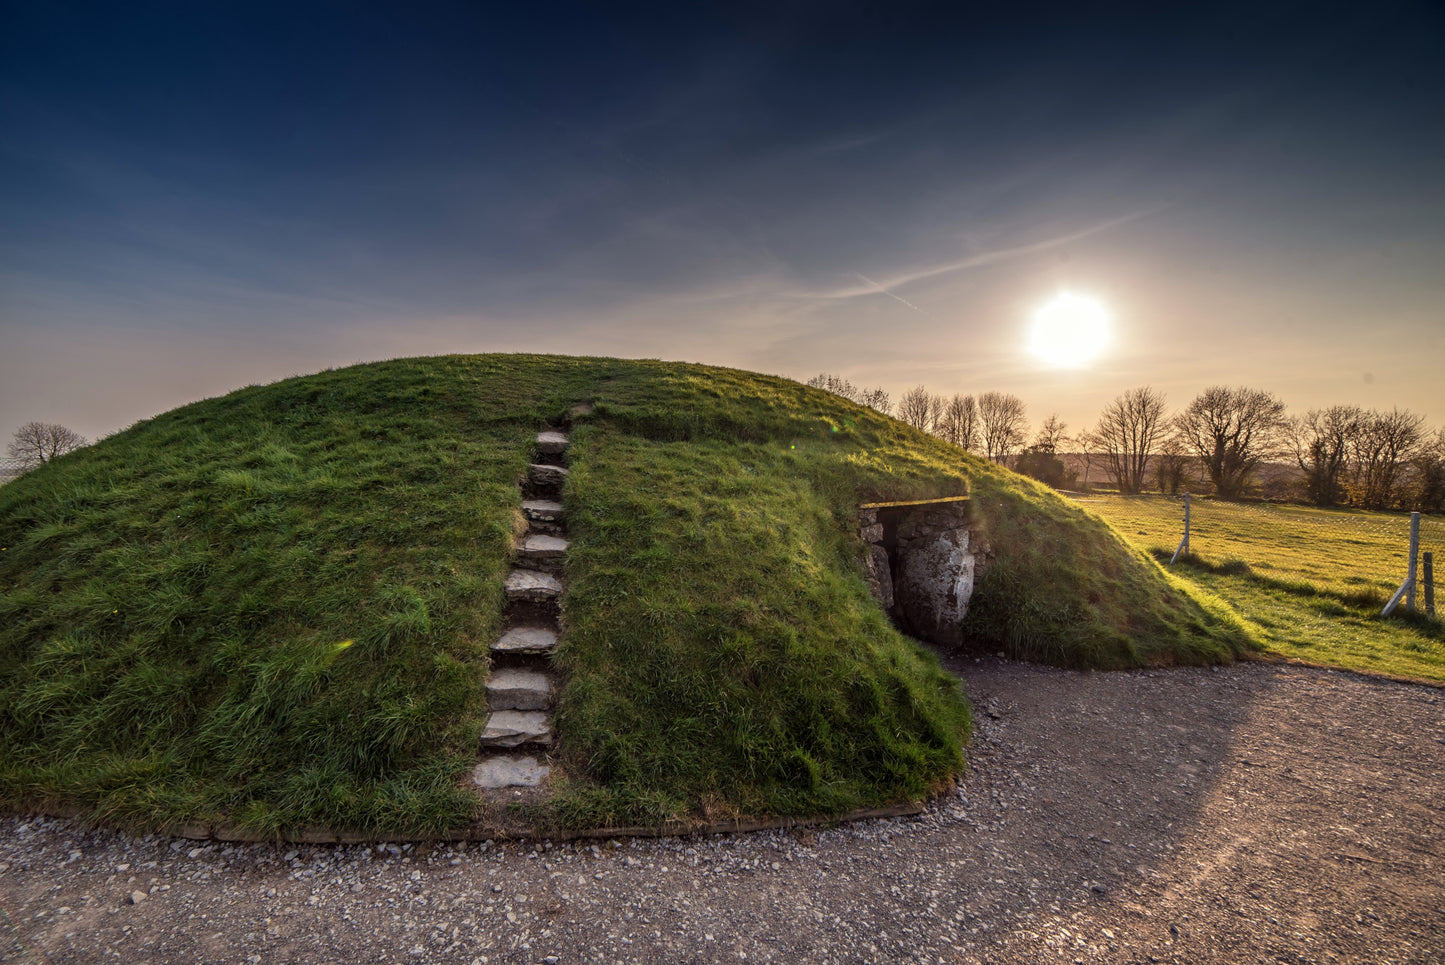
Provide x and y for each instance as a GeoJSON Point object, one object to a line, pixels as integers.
{"type": "Point", "coordinates": [521, 689]}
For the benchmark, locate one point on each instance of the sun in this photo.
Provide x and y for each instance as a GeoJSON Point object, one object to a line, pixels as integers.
{"type": "Point", "coordinates": [1069, 330]}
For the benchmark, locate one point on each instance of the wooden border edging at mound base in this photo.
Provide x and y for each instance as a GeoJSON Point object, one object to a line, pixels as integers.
{"type": "Point", "coordinates": [206, 832]}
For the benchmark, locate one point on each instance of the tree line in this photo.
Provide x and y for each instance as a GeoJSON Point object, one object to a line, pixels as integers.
{"type": "Point", "coordinates": [1221, 442]}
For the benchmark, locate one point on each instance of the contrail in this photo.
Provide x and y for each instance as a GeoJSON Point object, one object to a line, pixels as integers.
{"type": "Point", "coordinates": [979, 260]}
{"type": "Point", "coordinates": [897, 298]}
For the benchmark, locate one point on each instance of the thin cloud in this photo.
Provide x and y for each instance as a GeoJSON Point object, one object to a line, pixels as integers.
{"type": "Point", "coordinates": [974, 261]}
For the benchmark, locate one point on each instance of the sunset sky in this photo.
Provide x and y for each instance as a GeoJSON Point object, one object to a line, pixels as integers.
{"type": "Point", "coordinates": [198, 196]}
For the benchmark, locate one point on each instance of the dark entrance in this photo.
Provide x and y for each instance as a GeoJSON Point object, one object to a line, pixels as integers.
{"type": "Point", "coordinates": [920, 567]}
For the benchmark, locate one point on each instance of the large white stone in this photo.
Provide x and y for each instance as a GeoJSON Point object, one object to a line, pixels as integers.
{"type": "Point", "coordinates": [935, 584]}
{"type": "Point", "coordinates": [533, 586]}
{"type": "Point", "coordinates": [514, 689]}
{"type": "Point", "coordinates": [497, 772]}
{"type": "Point", "coordinates": [509, 728]}
{"type": "Point", "coordinates": [527, 640]}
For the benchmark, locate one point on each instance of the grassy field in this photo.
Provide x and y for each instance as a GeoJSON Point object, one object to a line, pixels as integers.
{"type": "Point", "coordinates": [1312, 580]}
{"type": "Point", "coordinates": [273, 609]}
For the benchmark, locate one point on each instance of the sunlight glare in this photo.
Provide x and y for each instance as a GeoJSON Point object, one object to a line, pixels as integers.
{"type": "Point", "coordinates": [1069, 330]}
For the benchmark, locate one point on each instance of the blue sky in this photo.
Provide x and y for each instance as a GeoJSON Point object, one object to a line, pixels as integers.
{"type": "Point", "coordinates": [202, 196]}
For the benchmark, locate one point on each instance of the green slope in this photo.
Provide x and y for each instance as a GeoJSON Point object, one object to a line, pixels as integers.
{"type": "Point", "coordinates": [273, 608]}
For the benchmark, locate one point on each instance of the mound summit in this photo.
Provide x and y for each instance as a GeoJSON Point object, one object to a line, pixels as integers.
{"type": "Point", "coordinates": [273, 610]}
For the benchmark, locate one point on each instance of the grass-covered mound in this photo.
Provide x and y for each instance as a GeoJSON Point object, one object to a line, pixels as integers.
{"type": "Point", "coordinates": [272, 609]}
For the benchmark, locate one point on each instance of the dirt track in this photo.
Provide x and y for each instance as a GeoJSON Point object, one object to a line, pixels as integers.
{"type": "Point", "coordinates": [1250, 814]}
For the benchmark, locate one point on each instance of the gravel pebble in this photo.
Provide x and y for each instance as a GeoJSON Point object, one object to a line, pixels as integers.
{"type": "Point", "coordinates": [1255, 813]}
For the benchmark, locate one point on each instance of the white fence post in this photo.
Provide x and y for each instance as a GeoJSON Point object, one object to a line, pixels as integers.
{"type": "Point", "coordinates": [1183, 543]}
{"type": "Point", "coordinates": [1414, 555]}
{"type": "Point", "coordinates": [1407, 589]}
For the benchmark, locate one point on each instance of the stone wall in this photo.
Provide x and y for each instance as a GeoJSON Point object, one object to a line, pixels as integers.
{"type": "Point", "coordinates": [920, 566]}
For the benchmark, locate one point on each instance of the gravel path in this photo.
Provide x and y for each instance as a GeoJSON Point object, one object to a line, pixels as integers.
{"type": "Point", "coordinates": [1255, 813]}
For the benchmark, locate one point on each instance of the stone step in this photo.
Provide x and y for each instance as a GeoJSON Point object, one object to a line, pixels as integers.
{"type": "Point", "coordinates": [543, 552]}
{"type": "Point", "coordinates": [551, 443]}
{"type": "Point", "coordinates": [544, 516]}
{"type": "Point", "coordinates": [532, 586]}
{"type": "Point", "coordinates": [526, 640]}
{"type": "Point", "coordinates": [546, 477]}
{"type": "Point", "coordinates": [512, 728]}
{"type": "Point", "coordinates": [508, 771]}
{"type": "Point", "coordinates": [542, 510]}
{"type": "Point", "coordinates": [513, 689]}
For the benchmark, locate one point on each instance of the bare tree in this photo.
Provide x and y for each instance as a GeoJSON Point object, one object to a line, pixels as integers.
{"type": "Point", "coordinates": [1384, 444]}
{"type": "Point", "coordinates": [1170, 464]}
{"type": "Point", "coordinates": [876, 398]}
{"type": "Point", "coordinates": [1129, 429]}
{"type": "Point", "coordinates": [1051, 435]}
{"type": "Point", "coordinates": [917, 408]}
{"type": "Point", "coordinates": [1002, 421]}
{"type": "Point", "coordinates": [1323, 440]}
{"type": "Point", "coordinates": [959, 422]}
{"type": "Point", "coordinates": [36, 443]}
{"type": "Point", "coordinates": [1232, 430]}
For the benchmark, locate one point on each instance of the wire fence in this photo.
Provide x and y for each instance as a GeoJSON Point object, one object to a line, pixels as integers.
{"type": "Point", "coordinates": [1349, 551]}
{"type": "Point", "coordinates": [10, 468]}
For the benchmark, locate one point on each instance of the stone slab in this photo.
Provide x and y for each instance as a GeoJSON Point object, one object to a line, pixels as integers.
{"type": "Point", "coordinates": [542, 510]}
{"type": "Point", "coordinates": [544, 552]}
{"type": "Point", "coordinates": [533, 586]}
{"type": "Point", "coordinates": [542, 543]}
{"type": "Point", "coordinates": [540, 546]}
{"type": "Point", "coordinates": [514, 689]}
{"type": "Point", "coordinates": [527, 640]}
{"type": "Point", "coordinates": [542, 475]}
{"type": "Point", "coordinates": [511, 728]}
{"type": "Point", "coordinates": [551, 443]}
{"type": "Point", "coordinates": [495, 772]}
{"type": "Point", "coordinates": [880, 576]}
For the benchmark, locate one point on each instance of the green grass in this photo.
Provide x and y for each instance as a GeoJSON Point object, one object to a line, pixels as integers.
{"type": "Point", "coordinates": [1311, 580]}
{"type": "Point", "coordinates": [719, 650]}
{"type": "Point", "coordinates": [272, 609]}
